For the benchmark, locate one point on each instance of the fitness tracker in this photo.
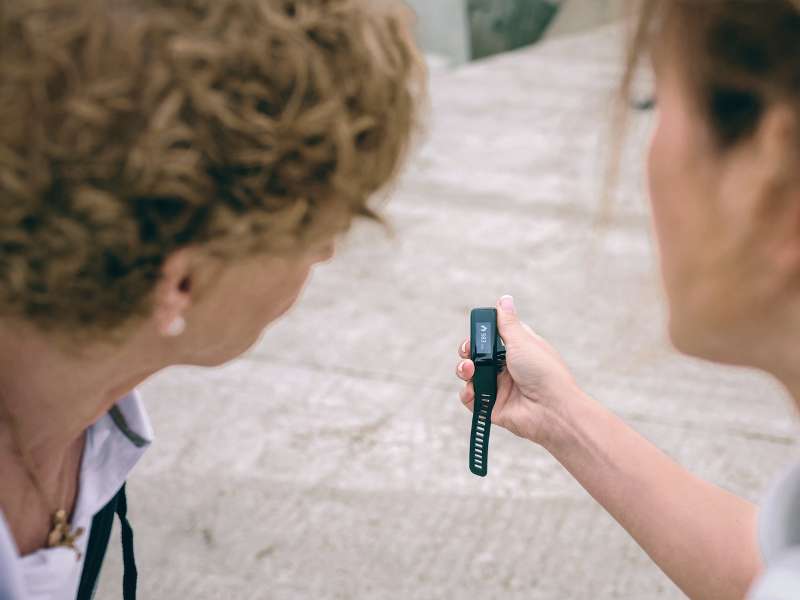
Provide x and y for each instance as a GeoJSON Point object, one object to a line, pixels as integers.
{"type": "Point", "coordinates": [488, 353]}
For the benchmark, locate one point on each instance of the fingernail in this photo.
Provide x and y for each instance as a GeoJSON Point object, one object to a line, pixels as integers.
{"type": "Point", "coordinates": [507, 304]}
{"type": "Point", "coordinates": [464, 347]}
{"type": "Point", "coordinates": [461, 367]}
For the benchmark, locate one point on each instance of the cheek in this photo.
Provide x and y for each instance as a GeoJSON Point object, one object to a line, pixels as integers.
{"type": "Point", "coordinates": [283, 294]}
{"type": "Point", "coordinates": [674, 198]}
{"type": "Point", "coordinates": [663, 182]}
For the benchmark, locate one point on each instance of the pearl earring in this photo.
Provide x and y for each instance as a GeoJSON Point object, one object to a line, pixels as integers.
{"type": "Point", "coordinates": [176, 327]}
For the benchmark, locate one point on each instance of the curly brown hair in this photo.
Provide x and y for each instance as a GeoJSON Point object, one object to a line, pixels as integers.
{"type": "Point", "coordinates": [132, 128]}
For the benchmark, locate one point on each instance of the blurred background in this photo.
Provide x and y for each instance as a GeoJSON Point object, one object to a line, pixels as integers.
{"type": "Point", "coordinates": [331, 461]}
{"type": "Point", "coordinates": [458, 31]}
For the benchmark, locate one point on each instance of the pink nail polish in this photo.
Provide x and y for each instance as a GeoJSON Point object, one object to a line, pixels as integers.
{"type": "Point", "coordinates": [507, 303]}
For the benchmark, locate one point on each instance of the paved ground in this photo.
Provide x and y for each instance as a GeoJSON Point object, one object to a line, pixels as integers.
{"type": "Point", "coordinates": [331, 462]}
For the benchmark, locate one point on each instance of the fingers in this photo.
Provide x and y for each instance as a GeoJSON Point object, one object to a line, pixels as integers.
{"type": "Point", "coordinates": [530, 330]}
{"type": "Point", "coordinates": [465, 370]}
{"type": "Point", "coordinates": [467, 396]}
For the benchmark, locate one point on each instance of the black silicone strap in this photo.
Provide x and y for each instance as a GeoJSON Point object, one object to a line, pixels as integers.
{"type": "Point", "coordinates": [485, 383]}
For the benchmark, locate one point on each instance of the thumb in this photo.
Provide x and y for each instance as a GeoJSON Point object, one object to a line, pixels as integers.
{"type": "Point", "coordinates": [508, 323]}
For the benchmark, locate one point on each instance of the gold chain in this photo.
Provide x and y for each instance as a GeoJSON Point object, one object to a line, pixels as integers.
{"type": "Point", "coordinates": [60, 534]}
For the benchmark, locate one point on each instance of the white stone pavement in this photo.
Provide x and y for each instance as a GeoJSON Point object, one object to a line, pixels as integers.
{"type": "Point", "coordinates": [331, 461]}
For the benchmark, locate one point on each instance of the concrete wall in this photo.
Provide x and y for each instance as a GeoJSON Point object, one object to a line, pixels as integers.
{"type": "Point", "coordinates": [501, 25]}
{"type": "Point", "coordinates": [456, 29]}
{"type": "Point", "coordinates": [442, 28]}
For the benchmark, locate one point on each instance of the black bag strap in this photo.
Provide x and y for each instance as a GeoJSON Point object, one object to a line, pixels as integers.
{"type": "Point", "coordinates": [130, 575]}
{"type": "Point", "coordinates": [98, 542]}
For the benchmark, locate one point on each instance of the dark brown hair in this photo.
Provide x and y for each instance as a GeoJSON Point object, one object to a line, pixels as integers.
{"type": "Point", "coordinates": [131, 128]}
{"type": "Point", "coordinates": [738, 57]}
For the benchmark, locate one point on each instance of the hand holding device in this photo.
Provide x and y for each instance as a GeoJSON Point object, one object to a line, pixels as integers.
{"type": "Point", "coordinates": [534, 395]}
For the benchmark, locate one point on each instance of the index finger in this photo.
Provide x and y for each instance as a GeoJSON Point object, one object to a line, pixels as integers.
{"type": "Point", "coordinates": [463, 349]}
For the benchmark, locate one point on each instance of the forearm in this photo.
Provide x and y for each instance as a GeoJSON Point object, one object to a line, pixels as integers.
{"type": "Point", "coordinates": [701, 536]}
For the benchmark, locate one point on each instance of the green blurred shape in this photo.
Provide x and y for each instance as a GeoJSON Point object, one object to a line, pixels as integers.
{"type": "Point", "coordinates": [502, 25]}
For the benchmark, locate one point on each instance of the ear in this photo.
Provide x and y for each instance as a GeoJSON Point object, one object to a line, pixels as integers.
{"type": "Point", "coordinates": [173, 292]}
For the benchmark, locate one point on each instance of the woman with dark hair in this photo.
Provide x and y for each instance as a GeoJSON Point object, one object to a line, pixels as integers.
{"type": "Point", "coordinates": [724, 175]}
{"type": "Point", "coordinates": [170, 171]}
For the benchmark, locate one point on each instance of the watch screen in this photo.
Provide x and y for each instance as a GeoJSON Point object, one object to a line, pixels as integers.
{"type": "Point", "coordinates": [483, 338]}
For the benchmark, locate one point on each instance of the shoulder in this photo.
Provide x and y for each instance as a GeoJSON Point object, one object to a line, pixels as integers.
{"type": "Point", "coordinates": [779, 539]}
{"type": "Point", "coordinates": [779, 515]}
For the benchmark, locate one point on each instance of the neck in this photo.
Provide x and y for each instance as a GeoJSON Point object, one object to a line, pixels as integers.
{"type": "Point", "coordinates": [50, 396]}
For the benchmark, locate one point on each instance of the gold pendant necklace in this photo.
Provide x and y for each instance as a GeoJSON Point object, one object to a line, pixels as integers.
{"type": "Point", "coordinates": [60, 534]}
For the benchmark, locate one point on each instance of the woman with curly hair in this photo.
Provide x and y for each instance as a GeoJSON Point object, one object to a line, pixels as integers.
{"type": "Point", "coordinates": [724, 177]}
{"type": "Point", "coordinates": [170, 171]}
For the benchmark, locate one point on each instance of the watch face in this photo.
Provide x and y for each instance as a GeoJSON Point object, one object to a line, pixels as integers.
{"type": "Point", "coordinates": [484, 337]}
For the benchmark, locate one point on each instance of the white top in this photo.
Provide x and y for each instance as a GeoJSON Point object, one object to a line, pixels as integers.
{"type": "Point", "coordinates": [779, 539]}
{"type": "Point", "coordinates": [114, 444]}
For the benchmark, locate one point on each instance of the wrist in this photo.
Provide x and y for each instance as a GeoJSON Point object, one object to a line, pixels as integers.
{"type": "Point", "coordinates": [563, 425]}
